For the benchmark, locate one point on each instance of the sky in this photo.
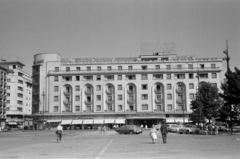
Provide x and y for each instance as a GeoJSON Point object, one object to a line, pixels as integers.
{"type": "Point", "coordinates": [118, 28]}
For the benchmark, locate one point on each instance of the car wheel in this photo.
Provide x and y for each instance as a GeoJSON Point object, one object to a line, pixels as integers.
{"type": "Point", "coordinates": [180, 132]}
{"type": "Point", "coordinates": [130, 132]}
{"type": "Point", "coordinates": [187, 132]}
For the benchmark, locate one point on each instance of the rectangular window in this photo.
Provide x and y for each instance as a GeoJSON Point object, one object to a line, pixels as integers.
{"type": "Point", "coordinates": [8, 94]}
{"type": "Point", "coordinates": [56, 69]}
{"type": "Point", "coordinates": [119, 87]}
{"type": "Point", "coordinates": [98, 77]}
{"type": "Point", "coordinates": [20, 95]}
{"type": "Point", "coordinates": [55, 88]}
{"type": "Point", "coordinates": [19, 88]}
{"type": "Point", "coordinates": [204, 75]}
{"type": "Point", "coordinates": [191, 95]}
{"type": "Point", "coordinates": [168, 67]}
{"type": "Point", "coordinates": [130, 77]}
{"type": "Point", "coordinates": [98, 87]}
{"type": "Point", "coordinates": [8, 87]}
{"type": "Point", "coordinates": [55, 109]}
{"type": "Point", "coordinates": [8, 80]}
{"type": "Point", "coordinates": [119, 107]}
{"type": "Point", "coordinates": [67, 78]}
{"type": "Point", "coordinates": [144, 67]}
{"type": "Point", "coordinates": [55, 78]}
{"type": "Point", "coordinates": [191, 85]}
{"type": "Point", "coordinates": [99, 68]}
{"type": "Point", "coordinates": [201, 66]}
{"type": "Point", "coordinates": [20, 102]}
{"type": "Point", "coordinates": [214, 75]}
{"type": "Point", "coordinates": [169, 96]}
{"type": "Point", "coordinates": [159, 107]}
{"type": "Point", "coordinates": [119, 97]}
{"type": "Point", "coordinates": [77, 98]}
{"type": "Point", "coordinates": [190, 66]}
{"type": "Point", "coordinates": [214, 84]}
{"type": "Point", "coordinates": [169, 86]}
{"type": "Point", "coordinates": [157, 67]}
{"type": "Point", "coordinates": [144, 77]}
{"type": "Point", "coordinates": [19, 109]}
{"type": "Point", "coordinates": [130, 67]}
{"type": "Point", "coordinates": [144, 87]}
{"type": "Point", "coordinates": [109, 77]}
{"type": "Point", "coordinates": [89, 108]}
{"type": "Point", "coordinates": [119, 77]}
{"type": "Point", "coordinates": [55, 98]}
{"type": "Point", "coordinates": [78, 68]}
{"type": "Point", "coordinates": [109, 67]}
{"type": "Point", "coordinates": [88, 78]}
{"type": "Point", "coordinates": [213, 66]}
{"type": "Point", "coordinates": [179, 66]}
{"type": "Point", "coordinates": [169, 106]}
{"type": "Point", "coordinates": [77, 108]}
{"type": "Point", "coordinates": [20, 81]}
{"type": "Point", "coordinates": [110, 108]}
{"type": "Point", "coordinates": [67, 69]}
{"type": "Point", "coordinates": [8, 101]}
{"type": "Point", "coordinates": [168, 76]}
{"type": "Point", "coordinates": [144, 97]}
{"type": "Point", "coordinates": [88, 68]}
{"type": "Point", "coordinates": [77, 88]}
{"type": "Point", "coordinates": [179, 76]}
{"type": "Point", "coordinates": [119, 67]}
{"type": "Point", "coordinates": [190, 76]}
{"type": "Point", "coordinates": [98, 107]}
{"type": "Point", "coordinates": [159, 76]}
{"type": "Point", "coordinates": [98, 97]}
{"type": "Point", "coordinates": [144, 107]}
{"type": "Point", "coordinates": [77, 78]}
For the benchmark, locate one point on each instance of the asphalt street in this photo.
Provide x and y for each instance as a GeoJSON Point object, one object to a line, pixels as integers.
{"type": "Point", "coordinates": [88, 144]}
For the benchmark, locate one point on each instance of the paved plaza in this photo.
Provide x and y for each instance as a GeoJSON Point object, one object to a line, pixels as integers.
{"type": "Point", "coordinates": [87, 144]}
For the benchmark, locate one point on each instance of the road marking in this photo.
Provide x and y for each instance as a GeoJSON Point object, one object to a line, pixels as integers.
{"type": "Point", "coordinates": [104, 149]}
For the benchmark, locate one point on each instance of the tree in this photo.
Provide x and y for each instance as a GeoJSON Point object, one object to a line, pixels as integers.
{"type": "Point", "coordinates": [207, 102]}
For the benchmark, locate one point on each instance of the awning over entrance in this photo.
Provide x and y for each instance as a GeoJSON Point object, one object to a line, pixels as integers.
{"type": "Point", "coordinates": [98, 121]}
{"type": "Point", "coordinates": [88, 121]}
{"type": "Point", "coordinates": [66, 122]}
{"type": "Point", "coordinates": [53, 121]}
{"type": "Point", "coordinates": [12, 123]}
{"type": "Point", "coordinates": [109, 121]}
{"type": "Point", "coordinates": [170, 120]}
{"type": "Point", "coordinates": [146, 117]}
{"type": "Point", "coordinates": [120, 121]}
{"type": "Point", "coordinates": [76, 122]}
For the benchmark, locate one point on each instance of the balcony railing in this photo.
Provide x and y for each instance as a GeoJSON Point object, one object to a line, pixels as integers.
{"type": "Point", "coordinates": [67, 93]}
{"type": "Point", "coordinates": [109, 91]}
{"type": "Point", "coordinates": [109, 101]}
{"type": "Point", "coordinates": [66, 102]}
{"type": "Point", "coordinates": [195, 69]}
{"type": "Point", "coordinates": [88, 102]}
{"type": "Point", "coordinates": [158, 91]}
{"type": "Point", "coordinates": [179, 91]}
{"type": "Point", "coordinates": [179, 101]}
{"type": "Point", "coordinates": [88, 92]}
{"type": "Point", "coordinates": [131, 91]}
{"type": "Point", "coordinates": [130, 101]}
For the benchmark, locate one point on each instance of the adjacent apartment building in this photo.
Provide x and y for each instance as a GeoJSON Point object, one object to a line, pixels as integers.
{"type": "Point", "coordinates": [18, 94]}
{"type": "Point", "coordinates": [142, 90]}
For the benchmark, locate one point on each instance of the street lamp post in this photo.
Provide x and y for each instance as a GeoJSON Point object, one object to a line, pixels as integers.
{"type": "Point", "coordinates": [182, 88]}
{"type": "Point", "coordinates": [227, 58]}
{"type": "Point", "coordinates": [43, 95]}
{"type": "Point", "coordinates": [199, 103]}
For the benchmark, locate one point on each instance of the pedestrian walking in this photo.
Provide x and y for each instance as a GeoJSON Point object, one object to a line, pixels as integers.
{"type": "Point", "coordinates": [153, 133]}
{"type": "Point", "coordinates": [164, 131]}
{"type": "Point", "coordinates": [59, 133]}
{"type": "Point", "coordinates": [216, 130]}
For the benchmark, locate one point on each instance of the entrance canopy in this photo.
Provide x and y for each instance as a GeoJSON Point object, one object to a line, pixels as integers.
{"type": "Point", "coordinates": [146, 117]}
{"type": "Point", "coordinates": [120, 121]}
{"type": "Point", "coordinates": [109, 121]}
{"type": "Point", "coordinates": [76, 122]}
{"type": "Point", "coordinates": [98, 121]}
{"type": "Point", "coordinates": [66, 122]}
{"type": "Point", "coordinates": [53, 121]}
{"type": "Point", "coordinates": [12, 123]}
{"type": "Point", "coordinates": [88, 121]}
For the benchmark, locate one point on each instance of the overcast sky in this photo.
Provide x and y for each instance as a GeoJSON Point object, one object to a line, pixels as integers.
{"type": "Point", "coordinates": [117, 28]}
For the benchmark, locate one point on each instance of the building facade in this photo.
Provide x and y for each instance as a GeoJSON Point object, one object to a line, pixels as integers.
{"type": "Point", "coordinates": [139, 90]}
{"type": "Point", "coordinates": [3, 95]}
{"type": "Point", "coordinates": [18, 94]}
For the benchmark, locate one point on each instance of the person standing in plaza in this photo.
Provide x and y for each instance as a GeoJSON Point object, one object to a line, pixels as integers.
{"type": "Point", "coordinates": [59, 133]}
{"type": "Point", "coordinates": [153, 133]}
{"type": "Point", "coordinates": [164, 131]}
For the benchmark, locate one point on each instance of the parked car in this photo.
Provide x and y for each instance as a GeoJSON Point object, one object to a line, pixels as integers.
{"type": "Point", "coordinates": [175, 128]}
{"type": "Point", "coordinates": [169, 126]}
{"type": "Point", "coordinates": [129, 129]}
{"type": "Point", "coordinates": [189, 129]}
{"type": "Point", "coordinates": [6, 129]}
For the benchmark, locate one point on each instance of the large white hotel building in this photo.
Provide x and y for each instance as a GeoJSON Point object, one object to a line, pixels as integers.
{"type": "Point", "coordinates": [139, 90]}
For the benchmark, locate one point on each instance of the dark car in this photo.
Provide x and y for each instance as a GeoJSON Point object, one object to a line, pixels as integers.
{"type": "Point", "coordinates": [129, 129]}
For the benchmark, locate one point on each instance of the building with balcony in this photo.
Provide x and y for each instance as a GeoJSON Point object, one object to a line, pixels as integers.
{"type": "Point", "coordinates": [18, 93]}
{"type": "Point", "coordinates": [3, 94]}
{"type": "Point", "coordinates": [139, 90]}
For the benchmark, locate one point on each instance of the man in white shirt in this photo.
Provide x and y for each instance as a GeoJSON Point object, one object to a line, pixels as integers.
{"type": "Point", "coordinates": [59, 132]}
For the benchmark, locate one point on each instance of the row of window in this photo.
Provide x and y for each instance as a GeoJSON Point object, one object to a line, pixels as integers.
{"type": "Point", "coordinates": [143, 67]}
{"type": "Point", "coordinates": [119, 108]}
{"type": "Point", "coordinates": [133, 77]}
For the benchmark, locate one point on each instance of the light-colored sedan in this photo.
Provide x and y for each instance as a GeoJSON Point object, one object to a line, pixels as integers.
{"type": "Point", "coordinates": [175, 128]}
{"type": "Point", "coordinates": [189, 129]}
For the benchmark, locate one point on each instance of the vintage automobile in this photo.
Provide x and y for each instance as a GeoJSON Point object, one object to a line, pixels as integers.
{"type": "Point", "coordinates": [129, 129]}
{"type": "Point", "coordinates": [189, 129]}
{"type": "Point", "coordinates": [6, 129]}
{"type": "Point", "coordinates": [175, 128]}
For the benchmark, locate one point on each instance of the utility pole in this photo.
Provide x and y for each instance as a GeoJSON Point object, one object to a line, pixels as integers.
{"type": "Point", "coordinates": [43, 95]}
{"type": "Point", "coordinates": [227, 58]}
{"type": "Point", "coordinates": [199, 103]}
